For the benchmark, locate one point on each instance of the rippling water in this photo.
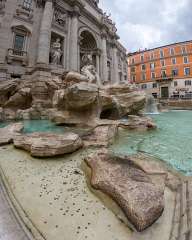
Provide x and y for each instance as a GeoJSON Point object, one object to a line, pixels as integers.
{"type": "Point", "coordinates": [171, 142]}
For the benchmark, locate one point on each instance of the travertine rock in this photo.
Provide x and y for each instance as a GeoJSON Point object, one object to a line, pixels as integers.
{"type": "Point", "coordinates": [127, 184]}
{"type": "Point", "coordinates": [84, 101]}
{"type": "Point", "coordinates": [48, 144]}
{"type": "Point", "coordinates": [130, 103]}
{"type": "Point", "coordinates": [102, 135]}
{"type": "Point", "coordinates": [59, 99]}
{"type": "Point", "coordinates": [20, 100]}
{"type": "Point", "coordinates": [9, 132]}
{"type": "Point", "coordinates": [138, 122]}
{"type": "Point", "coordinates": [7, 89]}
{"type": "Point", "coordinates": [81, 96]}
{"type": "Point", "coordinates": [71, 78]}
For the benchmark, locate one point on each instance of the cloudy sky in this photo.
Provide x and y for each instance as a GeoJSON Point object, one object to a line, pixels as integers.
{"type": "Point", "coordinates": [150, 23]}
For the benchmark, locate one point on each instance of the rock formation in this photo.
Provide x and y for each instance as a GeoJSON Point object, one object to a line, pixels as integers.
{"type": "Point", "coordinates": [48, 144]}
{"type": "Point", "coordinates": [70, 100]}
{"type": "Point", "coordinates": [129, 186]}
{"type": "Point", "coordinates": [9, 132]}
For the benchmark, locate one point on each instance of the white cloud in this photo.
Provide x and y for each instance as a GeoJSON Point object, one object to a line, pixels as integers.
{"type": "Point", "coordinates": [150, 23]}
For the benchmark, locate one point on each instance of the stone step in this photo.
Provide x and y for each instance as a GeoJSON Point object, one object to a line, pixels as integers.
{"type": "Point", "coordinates": [176, 218]}
{"type": "Point", "coordinates": [189, 209]}
{"type": "Point", "coordinates": [184, 218]}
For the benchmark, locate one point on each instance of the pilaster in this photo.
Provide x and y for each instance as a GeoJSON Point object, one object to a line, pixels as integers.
{"type": "Point", "coordinates": [104, 57]}
{"type": "Point", "coordinates": [74, 53]}
{"type": "Point", "coordinates": [45, 34]}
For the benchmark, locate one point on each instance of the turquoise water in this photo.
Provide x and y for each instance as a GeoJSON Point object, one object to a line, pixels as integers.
{"type": "Point", "coordinates": [31, 126]}
{"type": "Point", "coordinates": [171, 142]}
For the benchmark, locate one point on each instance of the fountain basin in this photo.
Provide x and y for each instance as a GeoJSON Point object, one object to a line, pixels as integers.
{"type": "Point", "coordinates": [171, 142]}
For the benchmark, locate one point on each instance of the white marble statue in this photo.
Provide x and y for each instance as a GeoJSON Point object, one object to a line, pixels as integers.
{"type": "Point", "coordinates": [89, 70]}
{"type": "Point", "coordinates": [56, 52]}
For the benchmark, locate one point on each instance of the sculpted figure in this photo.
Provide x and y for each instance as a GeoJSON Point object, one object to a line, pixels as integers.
{"type": "Point", "coordinates": [89, 70]}
{"type": "Point", "coordinates": [56, 52]}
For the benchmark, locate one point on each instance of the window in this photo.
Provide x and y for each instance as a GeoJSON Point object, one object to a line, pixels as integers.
{"type": "Point", "coordinates": [175, 72]}
{"type": "Point", "coordinates": [152, 55]}
{"type": "Point", "coordinates": [185, 59]}
{"type": "Point", "coordinates": [163, 73]}
{"type": "Point", "coordinates": [183, 49]}
{"type": "Point", "coordinates": [133, 60]}
{"type": "Point", "coordinates": [27, 4]}
{"type": "Point", "coordinates": [162, 63]}
{"type": "Point", "coordinates": [143, 67]}
{"type": "Point", "coordinates": [174, 61]}
{"type": "Point", "coordinates": [175, 83]}
{"type": "Point", "coordinates": [187, 71]}
{"type": "Point", "coordinates": [154, 85]}
{"type": "Point", "coordinates": [143, 76]}
{"type": "Point", "coordinates": [132, 69]}
{"type": "Point", "coordinates": [133, 78]}
{"type": "Point", "coordinates": [19, 42]}
{"type": "Point", "coordinates": [172, 51]}
{"type": "Point", "coordinates": [161, 53]}
{"type": "Point", "coordinates": [188, 83]}
{"type": "Point", "coordinates": [152, 65]}
{"type": "Point", "coordinates": [153, 75]}
{"type": "Point", "coordinates": [143, 86]}
{"type": "Point", "coordinates": [142, 58]}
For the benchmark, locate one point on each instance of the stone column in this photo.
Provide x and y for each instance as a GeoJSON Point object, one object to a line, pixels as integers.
{"type": "Point", "coordinates": [74, 40]}
{"type": "Point", "coordinates": [98, 64]}
{"type": "Point", "coordinates": [115, 75]}
{"type": "Point", "coordinates": [104, 58]}
{"type": "Point", "coordinates": [45, 34]}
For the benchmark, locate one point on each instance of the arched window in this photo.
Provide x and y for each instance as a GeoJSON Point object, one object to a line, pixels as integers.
{"type": "Point", "coordinates": [27, 4]}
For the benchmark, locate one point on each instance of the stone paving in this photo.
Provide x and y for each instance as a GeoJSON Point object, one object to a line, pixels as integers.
{"type": "Point", "coordinates": [10, 228]}
{"type": "Point", "coordinates": [62, 207]}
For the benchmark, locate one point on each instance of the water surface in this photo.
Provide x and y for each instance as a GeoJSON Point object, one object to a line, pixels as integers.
{"type": "Point", "coordinates": [171, 142]}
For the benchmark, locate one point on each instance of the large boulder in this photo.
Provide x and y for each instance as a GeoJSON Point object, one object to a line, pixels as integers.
{"type": "Point", "coordinates": [81, 96]}
{"type": "Point", "coordinates": [137, 122]}
{"type": "Point", "coordinates": [48, 144]}
{"type": "Point", "coordinates": [7, 89]}
{"type": "Point", "coordinates": [117, 89]}
{"type": "Point", "coordinates": [130, 103]}
{"type": "Point", "coordinates": [129, 186]}
{"type": "Point", "coordinates": [101, 135]}
{"type": "Point", "coordinates": [9, 132]}
{"type": "Point", "coordinates": [72, 77]}
{"type": "Point", "coordinates": [20, 100]}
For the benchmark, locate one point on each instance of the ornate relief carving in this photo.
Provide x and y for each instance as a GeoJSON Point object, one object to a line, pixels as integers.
{"type": "Point", "coordinates": [23, 13]}
{"type": "Point", "coordinates": [60, 17]}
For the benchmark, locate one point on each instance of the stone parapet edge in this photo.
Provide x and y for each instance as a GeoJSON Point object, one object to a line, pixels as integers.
{"type": "Point", "coordinates": [26, 224]}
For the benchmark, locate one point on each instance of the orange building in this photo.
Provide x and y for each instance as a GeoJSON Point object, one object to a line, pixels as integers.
{"type": "Point", "coordinates": [165, 72]}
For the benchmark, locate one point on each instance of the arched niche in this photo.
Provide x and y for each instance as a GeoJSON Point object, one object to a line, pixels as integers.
{"type": "Point", "coordinates": [88, 45]}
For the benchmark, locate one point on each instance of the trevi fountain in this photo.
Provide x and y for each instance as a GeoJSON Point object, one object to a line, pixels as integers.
{"type": "Point", "coordinates": [80, 159]}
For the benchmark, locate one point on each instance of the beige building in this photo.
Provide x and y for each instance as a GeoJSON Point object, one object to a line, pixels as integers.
{"type": "Point", "coordinates": [44, 38]}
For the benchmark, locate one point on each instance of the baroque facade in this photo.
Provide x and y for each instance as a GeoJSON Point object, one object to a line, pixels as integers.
{"type": "Point", "coordinates": [44, 38]}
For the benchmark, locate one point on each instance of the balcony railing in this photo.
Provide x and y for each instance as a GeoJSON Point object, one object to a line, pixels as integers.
{"type": "Point", "coordinates": [18, 55]}
{"type": "Point", "coordinates": [162, 78]}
